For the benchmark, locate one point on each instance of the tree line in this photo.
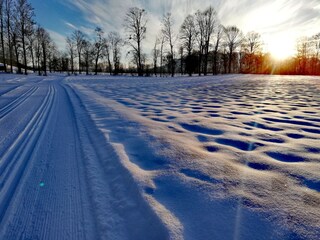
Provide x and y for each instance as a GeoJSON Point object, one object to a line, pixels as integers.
{"type": "Point", "coordinates": [24, 44]}
{"type": "Point", "coordinates": [202, 46]}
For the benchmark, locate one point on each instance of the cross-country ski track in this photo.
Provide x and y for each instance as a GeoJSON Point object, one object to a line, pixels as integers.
{"type": "Point", "coordinates": [58, 180]}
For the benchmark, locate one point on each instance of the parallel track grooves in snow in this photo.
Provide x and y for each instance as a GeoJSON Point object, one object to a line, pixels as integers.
{"type": "Point", "coordinates": [9, 90]}
{"type": "Point", "coordinates": [15, 103]}
{"type": "Point", "coordinates": [111, 187]}
{"type": "Point", "coordinates": [16, 159]}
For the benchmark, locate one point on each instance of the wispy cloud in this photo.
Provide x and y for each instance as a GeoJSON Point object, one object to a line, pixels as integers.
{"type": "Point", "coordinates": [70, 25]}
{"type": "Point", "coordinates": [270, 18]}
{"type": "Point", "coordinates": [59, 39]}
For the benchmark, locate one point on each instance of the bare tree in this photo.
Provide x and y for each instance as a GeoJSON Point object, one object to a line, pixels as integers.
{"type": "Point", "coordinates": [108, 54]}
{"type": "Point", "coordinates": [31, 45]}
{"type": "Point", "coordinates": [217, 41]}
{"type": "Point", "coordinates": [71, 50]}
{"type": "Point", "coordinates": [135, 24]}
{"type": "Point", "coordinates": [162, 41]}
{"type": "Point", "coordinates": [188, 37]}
{"type": "Point", "coordinates": [24, 18]}
{"type": "Point", "coordinates": [167, 31]}
{"type": "Point", "coordinates": [9, 19]}
{"type": "Point", "coordinates": [200, 30]}
{"type": "Point", "coordinates": [38, 52]}
{"type": "Point", "coordinates": [99, 47]}
{"type": "Point", "coordinates": [44, 41]}
{"type": "Point", "coordinates": [233, 39]}
{"type": "Point", "coordinates": [210, 23]}
{"type": "Point", "coordinates": [79, 38]}
{"type": "Point", "coordinates": [252, 44]}
{"type": "Point", "coordinates": [253, 41]}
{"type": "Point", "coordinates": [155, 54]}
{"type": "Point", "coordinates": [2, 20]}
{"type": "Point", "coordinates": [315, 48]}
{"type": "Point", "coordinates": [53, 56]}
{"type": "Point", "coordinates": [87, 54]}
{"type": "Point", "coordinates": [16, 42]}
{"type": "Point", "coordinates": [115, 42]}
{"type": "Point", "coordinates": [303, 52]}
{"type": "Point", "coordinates": [181, 59]}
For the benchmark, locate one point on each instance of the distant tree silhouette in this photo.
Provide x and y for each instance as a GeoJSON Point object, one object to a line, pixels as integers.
{"type": "Point", "coordinates": [71, 50]}
{"type": "Point", "coordinates": [188, 37]}
{"type": "Point", "coordinates": [23, 14]}
{"type": "Point", "coordinates": [233, 39]}
{"type": "Point", "coordinates": [87, 55]}
{"type": "Point", "coordinates": [2, 31]}
{"type": "Point", "coordinates": [135, 24]}
{"type": "Point", "coordinates": [217, 42]}
{"type": "Point", "coordinates": [181, 49]}
{"type": "Point", "coordinates": [99, 47]}
{"type": "Point", "coordinates": [115, 43]}
{"type": "Point", "coordinates": [167, 31]}
{"type": "Point", "coordinates": [210, 22]}
{"type": "Point", "coordinates": [31, 47]}
{"type": "Point", "coordinates": [200, 29]}
{"type": "Point", "coordinates": [16, 43]}
{"type": "Point", "coordinates": [44, 42]}
{"type": "Point", "coordinates": [108, 54]}
{"type": "Point", "coordinates": [155, 55]}
{"type": "Point", "coordinates": [252, 46]}
{"type": "Point", "coordinates": [9, 20]}
{"type": "Point", "coordinates": [79, 39]}
{"type": "Point", "coordinates": [162, 42]}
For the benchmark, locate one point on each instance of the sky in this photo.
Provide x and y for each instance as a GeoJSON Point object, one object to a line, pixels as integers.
{"type": "Point", "coordinates": [280, 22]}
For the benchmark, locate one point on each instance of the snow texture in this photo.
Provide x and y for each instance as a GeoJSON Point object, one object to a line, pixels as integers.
{"type": "Point", "coordinates": [100, 157]}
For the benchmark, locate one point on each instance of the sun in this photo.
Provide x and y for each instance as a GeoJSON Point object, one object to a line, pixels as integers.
{"type": "Point", "coordinates": [281, 48]}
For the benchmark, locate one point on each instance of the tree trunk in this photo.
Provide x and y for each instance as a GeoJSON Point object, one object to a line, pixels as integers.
{"type": "Point", "coordinates": [17, 55]}
{"type": "Point", "coordinates": [17, 59]}
{"type": "Point", "coordinates": [181, 62]}
{"type": "Point", "coordinates": [172, 61]}
{"type": "Point", "coordinates": [87, 65]}
{"type": "Point", "coordinates": [110, 66]}
{"type": "Point", "coordinates": [230, 60]}
{"type": "Point", "coordinates": [206, 53]}
{"type": "Point", "coordinates": [9, 41]}
{"type": "Point", "coordinates": [38, 63]}
{"type": "Point", "coordinates": [79, 62]}
{"type": "Point", "coordinates": [200, 62]}
{"type": "Point", "coordinates": [140, 72]}
{"type": "Point", "coordinates": [96, 66]}
{"type": "Point", "coordinates": [24, 52]}
{"type": "Point", "coordinates": [44, 59]}
{"type": "Point", "coordinates": [72, 65]}
{"type": "Point", "coordinates": [2, 44]}
{"type": "Point", "coordinates": [32, 58]}
{"type": "Point", "coordinates": [161, 59]}
{"type": "Point", "coordinates": [155, 68]}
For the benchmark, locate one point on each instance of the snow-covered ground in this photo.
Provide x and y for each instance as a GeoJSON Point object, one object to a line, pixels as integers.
{"type": "Point", "coordinates": [225, 157]}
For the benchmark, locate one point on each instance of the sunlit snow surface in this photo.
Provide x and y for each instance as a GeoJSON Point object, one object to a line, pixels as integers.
{"type": "Point", "coordinates": [100, 157]}
{"type": "Point", "coordinates": [221, 154]}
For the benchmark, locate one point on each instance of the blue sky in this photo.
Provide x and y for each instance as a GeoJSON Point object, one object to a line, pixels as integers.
{"type": "Point", "coordinates": [280, 22]}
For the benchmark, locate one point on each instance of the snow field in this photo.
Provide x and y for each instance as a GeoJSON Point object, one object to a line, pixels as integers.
{"type": "Point", "coordinates": [254, 139]}
{"type": "Point", "coordinates": [99, 157]}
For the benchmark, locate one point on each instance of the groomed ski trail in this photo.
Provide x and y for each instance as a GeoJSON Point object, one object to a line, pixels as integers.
{"type": "Point", "coordinates": [59, 178]}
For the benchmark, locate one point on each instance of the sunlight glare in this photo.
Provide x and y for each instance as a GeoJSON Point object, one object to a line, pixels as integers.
{"type": "Point", "coordinates": [281, 47]}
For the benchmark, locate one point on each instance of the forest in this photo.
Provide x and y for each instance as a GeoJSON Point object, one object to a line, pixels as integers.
{"type": "Point", "coordinates": [201, 46]}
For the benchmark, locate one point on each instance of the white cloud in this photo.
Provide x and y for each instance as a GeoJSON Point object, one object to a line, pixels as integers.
{"type": "Point", "coordinates": [59, 39]}
{"type": "Point", "coordinates": [271, 18]}
{"type": "Point", "coordinates": [70, 25]}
